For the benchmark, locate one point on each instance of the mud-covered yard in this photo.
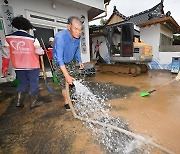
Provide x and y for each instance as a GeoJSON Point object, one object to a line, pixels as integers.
{"type": "Point", "coordinates": [51, 129]}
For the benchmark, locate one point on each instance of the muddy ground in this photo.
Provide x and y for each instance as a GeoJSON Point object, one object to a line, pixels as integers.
{"type": "Point", "coordinates": [50, 129]}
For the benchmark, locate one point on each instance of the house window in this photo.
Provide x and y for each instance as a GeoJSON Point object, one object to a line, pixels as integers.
{"type": "Point", "coordinates": [165, 40]}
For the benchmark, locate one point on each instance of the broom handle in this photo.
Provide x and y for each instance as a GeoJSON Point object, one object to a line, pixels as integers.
{"type": "Point", "coordinates": [46, 53]}
{"type": "Point", "coordinates": [69, 100]}
{"type": "Point", "coordinates": [166, 84]}
{"type": "Point", "coordinates": [43, 68]}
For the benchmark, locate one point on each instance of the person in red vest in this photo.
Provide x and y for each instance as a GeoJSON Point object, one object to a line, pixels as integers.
{"type": "Point", "coordinates": [23, 50]}
{"type": "Point", "coordinates": [50, 48]}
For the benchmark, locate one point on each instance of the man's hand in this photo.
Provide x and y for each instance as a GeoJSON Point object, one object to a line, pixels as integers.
{"type": "Point", "coordinates": [81, 66]}
{"type": "Point", "coordinates": [69, 79]}
{"type": "Point", "coordinates": [178, 76]}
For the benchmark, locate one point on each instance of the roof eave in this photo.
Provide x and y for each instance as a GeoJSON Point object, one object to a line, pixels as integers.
{"type": "Point", "coordinates": [106, 1]}
{"type": "Point", "coordinates": [168, 19]}
{"type": "Point", "coordinates": [94, 12]}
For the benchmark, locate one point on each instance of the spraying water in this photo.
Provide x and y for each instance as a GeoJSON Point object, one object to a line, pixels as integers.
{"type": "Point", "coordinates": [90, 106]}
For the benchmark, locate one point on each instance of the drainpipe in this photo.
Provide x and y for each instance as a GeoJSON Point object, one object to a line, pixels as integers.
{"type": "Point", "coordinates": [103, 15]}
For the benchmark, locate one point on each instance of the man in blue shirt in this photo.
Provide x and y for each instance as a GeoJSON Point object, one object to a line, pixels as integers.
{"type": "Point", "coordinates": [65, 49]}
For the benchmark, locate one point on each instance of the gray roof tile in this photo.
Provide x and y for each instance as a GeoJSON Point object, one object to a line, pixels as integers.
{"type": "Point", "coordinates": [144, 16]}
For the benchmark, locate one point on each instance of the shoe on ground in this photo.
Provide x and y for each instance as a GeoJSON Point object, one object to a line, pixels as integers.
{"type": "Point", "coordinates": [67, 107]}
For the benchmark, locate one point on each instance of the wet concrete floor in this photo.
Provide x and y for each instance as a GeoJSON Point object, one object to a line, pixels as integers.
{"type": "Point", "coordinates": [50, 129]}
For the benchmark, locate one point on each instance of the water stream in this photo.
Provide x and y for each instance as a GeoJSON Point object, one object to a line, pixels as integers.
{"type": "Point", "coordinates": [90, 106]}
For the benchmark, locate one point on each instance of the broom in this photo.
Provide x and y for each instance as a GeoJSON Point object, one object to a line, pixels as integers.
{"type": "Point", "coordinates": [146, 93]}
{"type": "Point", "coordinates": [55, 80]}
{"type": "Point", "coordinates": [44, 75]}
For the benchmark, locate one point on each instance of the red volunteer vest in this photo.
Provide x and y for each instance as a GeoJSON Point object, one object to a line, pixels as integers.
{"type": "Point", "coordinates": [50, 53]}
{"type": "Point", "coordinates": [22, 52]}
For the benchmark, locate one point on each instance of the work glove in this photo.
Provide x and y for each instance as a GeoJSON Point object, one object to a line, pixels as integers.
{"type": "Point", "coordinates": [39, 51]}
{"type": "Point", "coordinates": [178, 76]}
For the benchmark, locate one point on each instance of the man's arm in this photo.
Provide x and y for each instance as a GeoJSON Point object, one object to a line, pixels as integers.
{"type": "Point", "coordinates": [38, 49]}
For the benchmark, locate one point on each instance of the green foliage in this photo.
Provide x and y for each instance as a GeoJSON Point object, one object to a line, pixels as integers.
{"type": "Point", "coordinates": [176, 39]}
{"type": "Point", "coordinates": [103, 21]}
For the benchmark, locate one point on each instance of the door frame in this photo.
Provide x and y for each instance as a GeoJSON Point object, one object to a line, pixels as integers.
{"type": "Point", "coordinates": [56, 23]}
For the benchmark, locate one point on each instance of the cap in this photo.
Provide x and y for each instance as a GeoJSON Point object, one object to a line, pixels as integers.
{"type": "Point", "coordinates": [51, 39]}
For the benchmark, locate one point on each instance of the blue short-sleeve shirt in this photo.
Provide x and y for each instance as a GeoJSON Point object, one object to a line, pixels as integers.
{"type": "Point", "coordinates": [65, 48]}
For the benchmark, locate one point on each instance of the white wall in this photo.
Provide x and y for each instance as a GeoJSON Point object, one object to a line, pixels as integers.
{"type": "Point", "coordinates": [93, 3]}
{"type": "Point", "coordinates": [164, 30]}
{"type": "Point", "coordinates": [151, 35]}
{"type": "Point", "coordinates": [166, 57]}
{"type": "Point", "coordinates": [45, 6]}
{"type": "Point", "coordinates": [86, 56]}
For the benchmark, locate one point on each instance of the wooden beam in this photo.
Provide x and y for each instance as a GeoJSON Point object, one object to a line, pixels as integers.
{"type": "Point", "coordinates": [169, 20]}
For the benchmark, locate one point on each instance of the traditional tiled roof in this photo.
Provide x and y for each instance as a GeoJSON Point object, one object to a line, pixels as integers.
{"type": "Point", "coordinates": [147, 15]}
{"type": "Point", "coordinates": [115, 11]}
{"type": "Point", "coordinates": [155, 12]}
{"type": "Point", "coordinates": [106, 1]}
